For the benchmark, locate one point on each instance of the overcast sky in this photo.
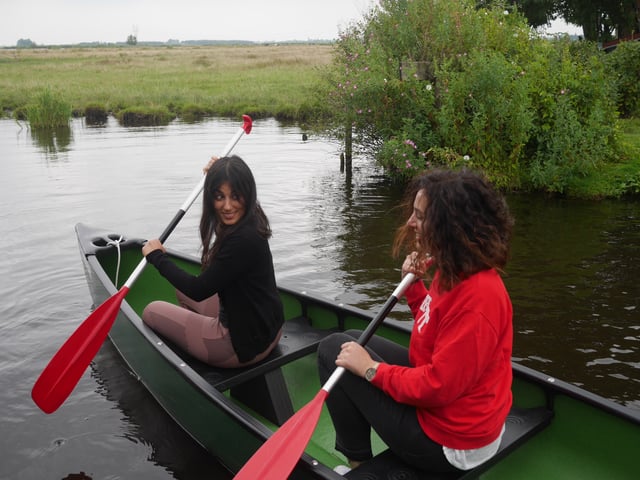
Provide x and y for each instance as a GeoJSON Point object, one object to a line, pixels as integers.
{"type": "Point", "coordinates": [56, 22]}
{"type": "Point", "coordinates": [52, 22]}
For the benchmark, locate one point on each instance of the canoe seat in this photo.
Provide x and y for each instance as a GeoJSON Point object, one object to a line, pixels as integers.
{"type": "Point", "coordinates": [262, 386]}
{"type": "Point", "coordinates": [522, 424]}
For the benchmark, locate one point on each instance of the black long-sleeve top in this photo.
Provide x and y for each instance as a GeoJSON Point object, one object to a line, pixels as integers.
{"type": "Point", "coordinates": [242, 275]}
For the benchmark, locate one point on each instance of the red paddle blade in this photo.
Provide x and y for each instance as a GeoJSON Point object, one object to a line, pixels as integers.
{"type": "Point", "coordinates": [278, 455]}
{"type": "Point", "coordinates": [66, 367]}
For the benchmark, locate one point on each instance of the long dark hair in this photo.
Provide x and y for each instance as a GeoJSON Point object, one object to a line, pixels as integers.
{"type": "Point", "coordinates": [468, 225]}
{"type": "Point", "coordinates": [238, 174]}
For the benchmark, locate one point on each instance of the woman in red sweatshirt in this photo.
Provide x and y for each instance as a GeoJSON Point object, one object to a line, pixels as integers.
{"type": "Point", "coordinates": [441, 405]}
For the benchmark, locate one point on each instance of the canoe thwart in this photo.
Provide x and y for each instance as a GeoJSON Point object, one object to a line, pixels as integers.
{"type": "Point", "coordinates": [262, 386]}
{"type": "Point", "coordinates": [522, 424]}
{"type": "Point", "coordinates": [298, 339]}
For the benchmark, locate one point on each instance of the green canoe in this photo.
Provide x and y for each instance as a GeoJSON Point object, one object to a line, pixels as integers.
{"type": "Point", "coordinates": [555, 430]}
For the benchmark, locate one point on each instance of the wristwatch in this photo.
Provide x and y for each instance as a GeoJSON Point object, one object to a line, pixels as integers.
{"type": "Point", "coordinates": [371, 372]}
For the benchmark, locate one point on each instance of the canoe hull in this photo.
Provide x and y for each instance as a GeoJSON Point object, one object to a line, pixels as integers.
{"type": "Point", "coordinates": [231, 432]}
{"type": "Point", "coordinates": [214, 421]}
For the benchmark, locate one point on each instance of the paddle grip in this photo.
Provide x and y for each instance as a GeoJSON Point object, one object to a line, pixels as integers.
{"type": "Point", "coordinates": [386, 309]}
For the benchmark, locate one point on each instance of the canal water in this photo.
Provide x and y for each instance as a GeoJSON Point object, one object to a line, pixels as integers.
{"type": "Point", "coordinates": [573, 277]}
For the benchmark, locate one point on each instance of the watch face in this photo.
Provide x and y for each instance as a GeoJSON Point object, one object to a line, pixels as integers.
{"type": "Point", "coordinates": [370, 373]}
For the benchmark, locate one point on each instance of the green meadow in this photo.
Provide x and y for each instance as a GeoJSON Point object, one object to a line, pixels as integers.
{"type": "Point", "coordinates": [260, 80]}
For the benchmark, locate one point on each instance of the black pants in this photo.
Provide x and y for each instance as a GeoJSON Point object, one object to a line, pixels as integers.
{"type": "Point", "coordinates": [356, 406]}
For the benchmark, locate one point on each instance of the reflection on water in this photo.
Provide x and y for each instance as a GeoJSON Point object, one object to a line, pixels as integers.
{"type": "Point", "coordinates": [572, 278]}
{"type": "Point", "coordinates": [147, 423]}
{"type": "Point", "coordinates": [52, 141]}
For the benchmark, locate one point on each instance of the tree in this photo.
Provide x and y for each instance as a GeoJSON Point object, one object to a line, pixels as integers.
{"type": "Point", "coordinates": [537, 12]}
{"type": "Point", "coordinates": [133, 38]}
{"type": "Point", "coordinates": [601, 20]}
{"type": "Point", "coordinates": [26, 43]}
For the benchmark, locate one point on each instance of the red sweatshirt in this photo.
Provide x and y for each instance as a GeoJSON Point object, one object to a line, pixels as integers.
{"type": "Point", "coordinates": [460, 352]}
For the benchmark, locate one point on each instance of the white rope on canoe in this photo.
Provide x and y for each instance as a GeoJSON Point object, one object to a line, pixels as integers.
{"type": "Point", "coordinates": [116, 243]}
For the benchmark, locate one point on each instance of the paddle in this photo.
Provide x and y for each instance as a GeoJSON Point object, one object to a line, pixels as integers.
{"type": "Point", "coordinates": [275, 459]}
{"type": "Point", "coordinates": [66, 367]}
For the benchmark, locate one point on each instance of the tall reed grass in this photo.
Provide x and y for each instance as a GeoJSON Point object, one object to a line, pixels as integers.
{"type": "Point", "coordinates": [49, 110]}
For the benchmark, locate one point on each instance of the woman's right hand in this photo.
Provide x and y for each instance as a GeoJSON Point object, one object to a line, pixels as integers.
{"type": "Point", "coordinates": [209, 165]}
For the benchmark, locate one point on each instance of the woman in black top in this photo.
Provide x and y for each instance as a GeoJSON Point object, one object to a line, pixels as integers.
{"type": "Point", "coordinates": [231, 314]}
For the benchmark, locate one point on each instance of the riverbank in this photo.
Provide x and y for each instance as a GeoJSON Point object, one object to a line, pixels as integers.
{"type": "Point", "coordinates": [192, 82]}
{"type": "Point", "coordinates": [260, 80]}
{"type": "Point", "coordinates": [613, 180]}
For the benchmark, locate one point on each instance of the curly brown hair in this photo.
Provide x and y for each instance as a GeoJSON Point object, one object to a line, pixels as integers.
{"type": "Point", "coordinates": [468, 225]}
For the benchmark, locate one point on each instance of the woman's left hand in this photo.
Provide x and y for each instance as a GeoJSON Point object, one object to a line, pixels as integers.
{"type": "Point", "coordinates": [152, 245]}
{"type": "Point", "coordinates": [354, 358]}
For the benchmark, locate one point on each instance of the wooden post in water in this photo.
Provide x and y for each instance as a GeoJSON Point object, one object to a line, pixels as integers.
{"type": "Point", "coordinates": [345, 159]}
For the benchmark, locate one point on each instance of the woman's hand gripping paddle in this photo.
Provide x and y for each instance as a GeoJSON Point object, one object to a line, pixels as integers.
{"type": "Point", "coordinates": [277, 457]}
{"type": "Point", "coordinates": [66, 367]}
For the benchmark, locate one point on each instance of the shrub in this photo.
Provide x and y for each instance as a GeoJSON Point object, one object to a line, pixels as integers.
{"type": "Point", "coordinates": [427, 82]}
{"type": "Point", "coordinates": [624, 61]}
{"type": "Point", "coordinates": [575, 114]}
{"type": "Point", "coordinates": [486, 114]}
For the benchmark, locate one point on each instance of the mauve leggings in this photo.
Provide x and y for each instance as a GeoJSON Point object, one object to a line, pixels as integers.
{"type": "Point", "coordinates": [194, 326]}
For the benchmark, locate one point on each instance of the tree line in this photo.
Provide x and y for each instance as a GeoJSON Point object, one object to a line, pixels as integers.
{"type": "Point", "coordinates": [601, 20]}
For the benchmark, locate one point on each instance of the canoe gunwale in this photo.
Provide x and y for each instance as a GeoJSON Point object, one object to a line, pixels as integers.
{"type": "Point", "coordinates": [554, 387]}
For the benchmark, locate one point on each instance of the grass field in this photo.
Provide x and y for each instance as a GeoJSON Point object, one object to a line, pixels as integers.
{"type": "Point", "coordinates": [261, 80]}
